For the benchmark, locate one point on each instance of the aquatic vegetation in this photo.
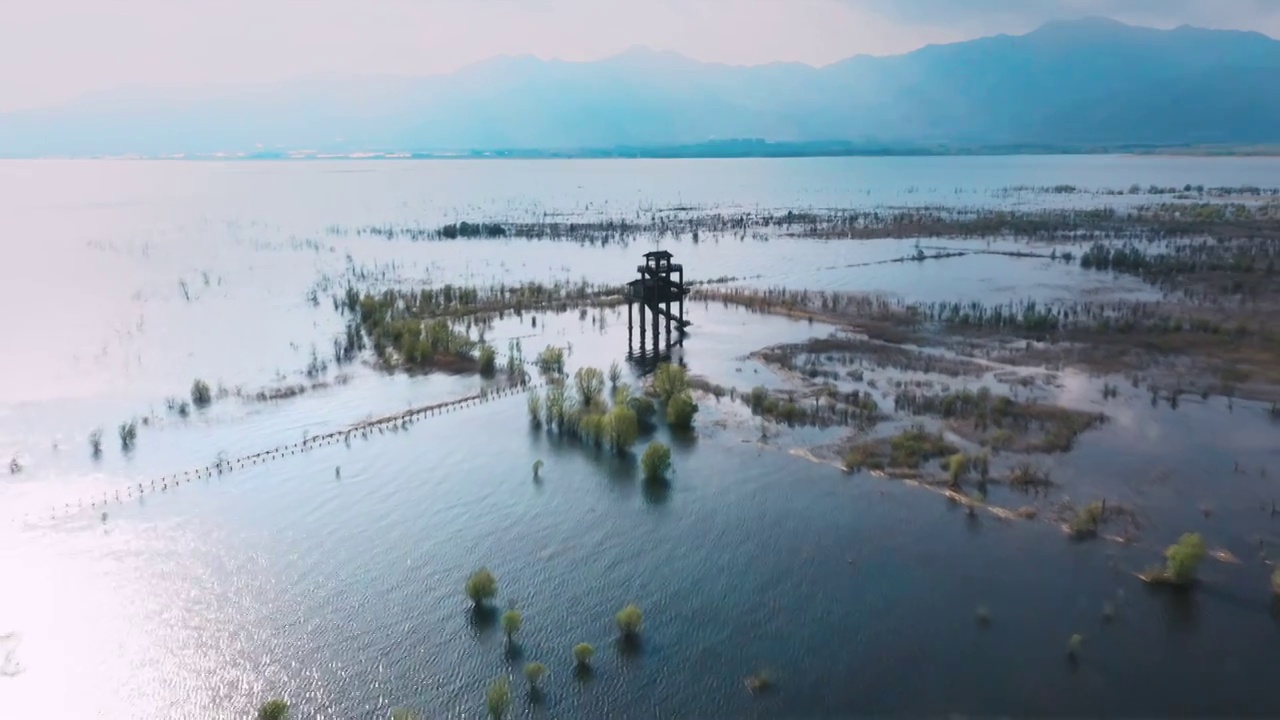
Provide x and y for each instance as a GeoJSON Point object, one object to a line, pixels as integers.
{"type": "Point", "coordinates": [201, 393]}
{"type": "Point", "coordinates": [498, 698]}
{"type": "Point", "coordinates": [534, 672]}
{"type": "Point", "coordinates": [128, 432]}
{"type": "Point", "coordinates": [1000, 421]}
{"type": "Point", "coordinates": [1025, 475]}
{"type": "Point", "coordinates": [915, 445]}
{"type": "Point", "coordinates": [680, 411]}
{"type": "Point", "coordinates": [511, 622]}
{"type": "Point", "coordinates": [273, 710]}
{"type": "Point", "coordinates": [537, 468]}
{"type": "Point", "coordinates": [655, 463]}
{"type": "Point", "coordinates": [404, 714]}
{"type": "Point", "coordinates": [629, 619]}
{"type": "Point", "coordinates": [582, 654]}
{"type": "Point", "coordinates": [482, 586]}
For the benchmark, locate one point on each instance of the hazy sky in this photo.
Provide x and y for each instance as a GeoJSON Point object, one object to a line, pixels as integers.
{"type": "Point", "coordinates": [54, 50]}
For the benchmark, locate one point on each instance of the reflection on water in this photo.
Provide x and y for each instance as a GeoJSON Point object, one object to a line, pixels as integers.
{"type": "Point", "coordinates": [342, 592]}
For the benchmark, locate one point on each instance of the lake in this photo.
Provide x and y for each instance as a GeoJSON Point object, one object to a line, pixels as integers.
{"type": "Point", "coordinates": [333, 577]}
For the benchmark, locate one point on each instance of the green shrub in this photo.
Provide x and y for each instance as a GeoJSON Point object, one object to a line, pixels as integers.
{"type": "Point", "coordinates": [482, 586]}
{"type": "Point", "coordinates": [535, 409]}
{"type": "Point", "coordinates": [957, 466]}
{"type": "Point", "coordinates": [1275, 581]}
{"type": "Point", "coordinates": [656, 461]}
{"type": "Point", "coordinates": [621, 428]}
{"type": "Point", "coordinates": [1086, 521]}
{"type": "Point", "coordinates": [680, 411]}
{"type": "Point", "coordinates": [1073, 645]}
{"type": "Point", "coordinates": [629, 619]}
{"type": "Point", "coordinates": [644, 409]}
{"type": "Point", "coordinates": [582, 653]}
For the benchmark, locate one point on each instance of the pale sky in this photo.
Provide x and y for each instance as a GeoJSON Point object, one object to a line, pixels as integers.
{"type": "Point", "coordinates": [55, 50]}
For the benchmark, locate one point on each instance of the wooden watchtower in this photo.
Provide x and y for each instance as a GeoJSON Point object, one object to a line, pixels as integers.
{"type": "Point", "coordinates": [657, 291]}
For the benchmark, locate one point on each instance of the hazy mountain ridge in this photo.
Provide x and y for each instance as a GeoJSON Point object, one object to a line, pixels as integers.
{"type": "Point", "coordinates": [1085, 82]}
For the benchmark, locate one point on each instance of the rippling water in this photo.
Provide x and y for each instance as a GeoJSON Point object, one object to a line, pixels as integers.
{"type": "Point", "coordinates": [343, 593]}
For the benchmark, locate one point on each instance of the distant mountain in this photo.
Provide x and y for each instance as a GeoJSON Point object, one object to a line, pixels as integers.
{"type": "Point", "coordinates": [1087, 82]}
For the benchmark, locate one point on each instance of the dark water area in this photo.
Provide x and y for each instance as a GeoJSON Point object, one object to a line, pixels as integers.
{"type": "Point", "coordinates": [333, 577]}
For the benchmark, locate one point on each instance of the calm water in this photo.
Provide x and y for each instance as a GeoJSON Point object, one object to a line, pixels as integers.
{"type": "Point", "coordinates": [343, 594]}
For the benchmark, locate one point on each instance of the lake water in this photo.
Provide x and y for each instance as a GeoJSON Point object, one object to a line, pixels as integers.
{"type": "Point", "coordinates": [126, 280]}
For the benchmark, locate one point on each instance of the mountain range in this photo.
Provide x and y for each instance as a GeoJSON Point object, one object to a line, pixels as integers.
{"type": "Point", "coordinates": [1090, 82]}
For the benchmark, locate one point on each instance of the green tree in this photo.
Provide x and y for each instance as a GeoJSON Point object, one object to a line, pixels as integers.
{"type": "Point", "coordinates": [670, 380]}
{"type": "Point", "coordinates": [511, 622]}
{"type": "Point", "coordinates": [629, 619]}
{"type": "Point", "coordinates": [482, 586]}
{"type": "Point", "coordinates": [582, 653]}
{"type": "Point", "coordinates": [656, 461]}
{"type": "Point", "coordinates": [590, 384]}
{"type": "Point", "coordinates": [1183, 558]}
{"type": "Point", "coordinates": [276, 709]}
{"type": "Point", "coordinates": [644, 409]}
{"type": "Point", "coordinates": [488, 361]}
{"type": "Point", "coordinates": [201, 395]}
{"type": "Point", "coordinates": [498, 698]}
{"type": "Point", "coordinates": [555, 405]}
{"type": "Point", "coordinates": [534, 672]}
{"type": "Point", "coordinates": [1275, 581]}
{"type": "Point", "coordinates": [680, 411]}
{"type": "Point", "coordinates": [1073, 645]}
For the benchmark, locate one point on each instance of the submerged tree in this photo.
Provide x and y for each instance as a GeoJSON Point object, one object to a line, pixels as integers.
{"type": "Point", "coordinates": [670, 380]}
{"type": "Point", "coordinates": [656, 461]}
{"type": "Point", "coordinates": [482, 586]}
{"type": "Point", "coordinates": [498, 698]}
{"type": "Point", "coordinates": [615, 374]}
{"type": "Point", "coordinates": [582, 654]}
{"type": "Point", "coordinates": [680, 411]}
{"type": "Point", "coordinates": [629, 619]}
{"type": "Point", "coordinates": [128, 435]}
{"type": "Point", "coordinates": [590, 384]}
{"type": "Point", "coordinates": [511, 622]}
{"type": "Point", "coordinates": [276, 709]}
{"type": "Point", "coordinates": [95, 442]}
{"type": "Point", "coordinates": [534, 672]}
{"type": "Point", "coordinates": [201, 394]}
{"type": "Point", "coordinates": [488, 361]}
{"type": "Point", "coordinates": [1183, 558]}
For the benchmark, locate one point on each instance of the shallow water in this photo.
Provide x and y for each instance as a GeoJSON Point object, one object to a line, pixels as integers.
{"type": "Point", "coordinates": [343, 593]}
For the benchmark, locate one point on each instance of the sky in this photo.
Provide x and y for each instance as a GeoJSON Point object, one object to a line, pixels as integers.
{"type": "Point", "coordinates": [53, 51]}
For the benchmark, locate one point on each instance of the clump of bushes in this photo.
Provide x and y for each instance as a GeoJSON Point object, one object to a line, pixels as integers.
{"type": "Point", "coordinates": [915, 445]}
{"type": "Point", "coordinates": [481, 587]}
{"type": "Point", "coordinates": [656, 462]}
{"type": "Point", "coordinates": [680, 411]}
{"type": "Point", "coordinates": [551, 361]}
{"type": "Point", "coordinates": [534, 672]}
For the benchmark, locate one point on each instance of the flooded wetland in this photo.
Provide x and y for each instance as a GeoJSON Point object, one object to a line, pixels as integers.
{"type": "Point", "coordinates": [988, 435]}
